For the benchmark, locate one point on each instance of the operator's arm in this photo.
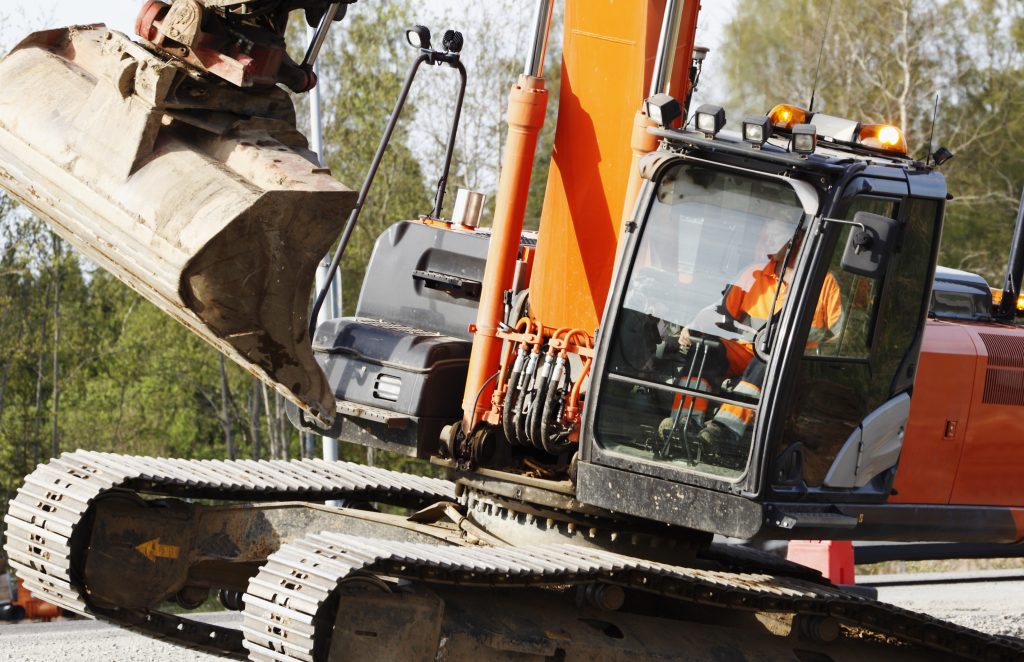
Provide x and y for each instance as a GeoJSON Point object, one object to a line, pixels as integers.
{"type": "Point", "coordinates": [828, 315]}
{"type": "Point", "coordinates": [730, 307]}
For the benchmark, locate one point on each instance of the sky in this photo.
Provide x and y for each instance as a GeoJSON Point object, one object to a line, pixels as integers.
{"type": "Point", "coordinates": [120, 14]}
{"type": "Point", "coordinates": [20, 17]}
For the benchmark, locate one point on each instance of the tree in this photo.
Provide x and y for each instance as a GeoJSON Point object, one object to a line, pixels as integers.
{"type": "Point", "coordinates": [887, 61]}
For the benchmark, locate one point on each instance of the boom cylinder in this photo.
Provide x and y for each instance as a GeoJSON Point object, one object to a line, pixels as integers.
{"type": "Point", "coordinates": [665, 59]}
{"type": "Point", "coordinates": [677, 12]}
{"type": "Point", "coordinates": [527, 104]}
{"type": "Point", "coordinates": [539, 41]}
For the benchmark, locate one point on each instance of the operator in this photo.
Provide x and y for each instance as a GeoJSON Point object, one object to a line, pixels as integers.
{"type": "Point", "coordinates": [748, 302]}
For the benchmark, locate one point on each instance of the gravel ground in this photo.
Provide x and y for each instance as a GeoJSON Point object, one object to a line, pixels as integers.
{"type": "Point", "coordinates": [81, 640]}
{"type": "Point", "coordinates": [996, 607]}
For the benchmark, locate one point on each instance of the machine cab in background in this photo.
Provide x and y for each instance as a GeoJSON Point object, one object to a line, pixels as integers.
{"type": "Point", "coordinates": [763, 341]}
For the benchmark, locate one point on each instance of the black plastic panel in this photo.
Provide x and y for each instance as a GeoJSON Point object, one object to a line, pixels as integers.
{"type": "Point", "coordinates": [668, 502]}
{"type": "Point", "coordinates": [393, 367]}
{"type": "Point", "coordinates": [425, 277]}
{"type": "Point", "coordinates": [396, 386]}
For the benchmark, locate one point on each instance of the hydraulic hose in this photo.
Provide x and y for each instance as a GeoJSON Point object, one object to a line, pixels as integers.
{"type": "Point", "coordinates": [525, 388]}
{"type": "Point", "coordinates": [533, 424]}
{"type": "Point", "coordinates": [554, 436]}
{"type": "Point", "coordinates": [512, 396]}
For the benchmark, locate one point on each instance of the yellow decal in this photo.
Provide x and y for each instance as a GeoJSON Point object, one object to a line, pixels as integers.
{"type": "Point", "coordinates": [153, 550]}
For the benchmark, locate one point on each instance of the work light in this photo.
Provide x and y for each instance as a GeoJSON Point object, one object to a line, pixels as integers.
{"type": "Point", "coordinates": [941, 155]}
{"type": "Point", "coordinates": [663, 109]}
{"type": "Point", "coordinates": [452, 41]}
{"type": "Point", "coordinates": [418, 36]}
{"type": "Point", "coordinates": [756, 129]}
{"type": "Point", "coordinates": [710, 119]}
{"type": "Point", "coordinates": [805, 138]}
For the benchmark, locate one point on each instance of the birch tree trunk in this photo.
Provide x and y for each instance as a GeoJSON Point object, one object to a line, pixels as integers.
{"type": "Point", "coordinates": [275, 453]}
{"type": "Point", "coordinates": [39, 384]}
{"type": "Point", "coordinates": [54, 420]}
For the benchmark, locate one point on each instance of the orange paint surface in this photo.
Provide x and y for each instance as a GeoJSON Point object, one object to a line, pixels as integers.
{"type": "Point", "coordinates": [942, 392]}
{"type": "Point", "coordinates": [35, 609]}
{"type": "Point", "coordinates": [608, 57]}
{"type": "Point", "coordinates": [991, 470]}
{"type": "Point", "coordinates": [959, 448]}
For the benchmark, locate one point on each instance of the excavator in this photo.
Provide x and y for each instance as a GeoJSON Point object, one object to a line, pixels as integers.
{"type": "Point", "coordinates": [712, 332]}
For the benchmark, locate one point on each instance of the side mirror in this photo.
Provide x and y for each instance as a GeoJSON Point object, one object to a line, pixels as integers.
{"type": "Point", "coordinates": [867, 248]}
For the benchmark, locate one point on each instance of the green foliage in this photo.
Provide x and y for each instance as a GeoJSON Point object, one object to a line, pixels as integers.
{"type": "Point", "coordinates": [363, 67]}
{"type": "Point", "coordinates": [886, 61]}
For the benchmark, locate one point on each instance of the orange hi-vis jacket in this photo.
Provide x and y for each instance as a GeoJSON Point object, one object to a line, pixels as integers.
{"type": "Point", "coordinates": [750, 302]}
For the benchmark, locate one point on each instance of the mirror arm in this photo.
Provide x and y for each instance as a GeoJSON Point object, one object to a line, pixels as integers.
{"type": "Point", "coordinates": [825, 219]}
{"type": "Point", "coordinates": [862, 239]}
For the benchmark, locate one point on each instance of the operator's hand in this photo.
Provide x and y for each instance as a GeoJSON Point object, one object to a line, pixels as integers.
{"type": "Point", "coordinates": [685, 341]}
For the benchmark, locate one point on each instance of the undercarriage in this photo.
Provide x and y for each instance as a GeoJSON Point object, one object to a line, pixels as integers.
{"type": "Point", "coordinates": [116, 537]}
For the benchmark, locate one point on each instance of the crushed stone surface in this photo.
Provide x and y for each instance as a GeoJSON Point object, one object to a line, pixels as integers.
{"type": "Point", "coordinates": [995, 607]}
{"type": "Point", "coordinates": [83, 640]}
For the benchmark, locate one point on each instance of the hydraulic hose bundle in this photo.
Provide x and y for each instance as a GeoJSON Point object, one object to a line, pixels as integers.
{"type": "Point", "coordinates": [540, 407]}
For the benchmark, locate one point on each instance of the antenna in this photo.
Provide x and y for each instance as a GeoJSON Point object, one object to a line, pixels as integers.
{"type": "Point", "coordinates": [931, 130]}
{"type": "Point", "coordinates": [821, 49]}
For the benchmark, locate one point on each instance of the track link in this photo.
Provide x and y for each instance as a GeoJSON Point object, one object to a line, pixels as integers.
{"type": "Point", "coordinates": [284, 601]}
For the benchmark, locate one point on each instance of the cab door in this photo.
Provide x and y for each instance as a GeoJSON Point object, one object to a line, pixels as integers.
{"type": "Point", "coordinates": [849, 399]}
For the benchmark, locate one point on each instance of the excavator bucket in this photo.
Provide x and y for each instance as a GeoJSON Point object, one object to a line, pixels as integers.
{"type": "Point", "coordinates": [201, 196]}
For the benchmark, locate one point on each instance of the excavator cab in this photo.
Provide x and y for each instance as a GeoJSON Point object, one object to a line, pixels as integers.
{"type": "Point", "coordinates": [710, 236]}
{"type": "Point", "coordinates": [762, 334]}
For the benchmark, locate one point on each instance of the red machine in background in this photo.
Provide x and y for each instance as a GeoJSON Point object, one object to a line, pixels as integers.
{"type": "Point", "coordinates": [16, 603]}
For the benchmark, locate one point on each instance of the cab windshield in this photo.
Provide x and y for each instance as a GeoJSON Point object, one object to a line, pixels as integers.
{"type": "Point", "coordinates": [682, 379]}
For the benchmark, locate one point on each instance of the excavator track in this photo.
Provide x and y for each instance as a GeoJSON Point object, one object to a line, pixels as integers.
{"type": "Point", "coordinates": [283, 602]}
{"type": "Point", "coordinates": [44, 534]}
{"type": "Point", "coordinates": [289, 601]}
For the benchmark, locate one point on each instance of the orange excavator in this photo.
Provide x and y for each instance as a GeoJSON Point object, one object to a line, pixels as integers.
{"type": "Point", "coordinates": [712, 332]}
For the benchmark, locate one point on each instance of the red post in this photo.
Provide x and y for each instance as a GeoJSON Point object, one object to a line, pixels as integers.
{"type": "Point", "coordinates": [833, 558]}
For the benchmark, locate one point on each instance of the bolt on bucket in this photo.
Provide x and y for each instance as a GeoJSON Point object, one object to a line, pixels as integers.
{"type": "Point", "coordinates": [202, 197]}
